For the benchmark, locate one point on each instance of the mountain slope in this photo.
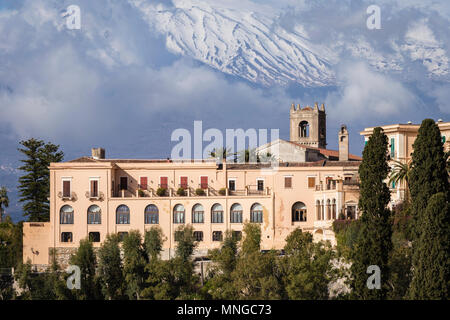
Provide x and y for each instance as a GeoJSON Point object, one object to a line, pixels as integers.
{"type": "Point", "coordinates": [251, 44]}
{"type": "Point", "coordinates": [241, 43]}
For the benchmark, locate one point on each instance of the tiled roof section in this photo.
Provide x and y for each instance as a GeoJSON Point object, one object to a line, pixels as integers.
{"type": "Point", "coordinates": [90, 159]}
{"type": "Point", "coordinates": [334, 154]}
{"type": "Point", "coordinates": [322, 163]}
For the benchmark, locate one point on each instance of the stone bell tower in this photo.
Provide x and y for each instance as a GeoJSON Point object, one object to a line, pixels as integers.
{"type": "Point", "coordinates": [308, 125]}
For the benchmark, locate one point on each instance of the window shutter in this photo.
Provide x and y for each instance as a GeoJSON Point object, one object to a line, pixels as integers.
{"type": "Point", "coordinates": [392, 146]}
{"type": "Point", "coordinates": [311, 182]}
{"type": "Point", "coordinates": [204, 182]}
{"type": "Point", "coordinates": [94, 188]}
{"type": "Point", "coordinates": [163, 183]}
{"type": "Point", "coordinates": [66, 188]}
{"type": "Point", "coordinates": [184, 182]}
{"type": "Point", "coordinates": [144, 183]}
{"type": "Point", "coordinates": [288, 182]}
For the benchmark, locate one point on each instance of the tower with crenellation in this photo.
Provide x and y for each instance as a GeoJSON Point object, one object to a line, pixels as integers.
{"type": "Point", "coordinates": [308, 125]}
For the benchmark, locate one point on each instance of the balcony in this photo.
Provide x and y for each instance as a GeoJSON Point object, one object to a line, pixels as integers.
{"type": "Point", "coordinates": [67, 197]}
{"type": "Point", "coordinates": [189, 192]}
{"type": "Point", "coordinates": [94, 195]}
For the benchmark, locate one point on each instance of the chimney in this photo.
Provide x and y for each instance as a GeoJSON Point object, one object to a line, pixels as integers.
{"type": "Point", "coordinates": [98, 153]}
{"type": "Point", "coordinates": [343, 143]}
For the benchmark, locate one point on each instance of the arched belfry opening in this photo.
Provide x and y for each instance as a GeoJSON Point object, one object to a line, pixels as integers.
{"type": "Point", "coordinates": [303, 128]}
{"type": "Point", "coordinates": [308, 125]}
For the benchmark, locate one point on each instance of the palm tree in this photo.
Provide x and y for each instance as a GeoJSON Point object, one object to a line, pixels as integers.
{"type": "Point", "coordinates": [400, 172]}
{"type": "Point", "coordinates": [4, 201]}
{"type": "Point", "coordinates": [220, 153]}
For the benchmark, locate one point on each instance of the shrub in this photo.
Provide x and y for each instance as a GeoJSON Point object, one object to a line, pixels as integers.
{"type": "Point", "coordinates": [161, 192]}
{"type": "Point", "coordinates": [141, 193]}
{"type": "Point", "coordinates": [222, 191]}
{"type": "Point", "coordinates": [200, 192]}
{"type": "Point", "coordinates": [181, 192]}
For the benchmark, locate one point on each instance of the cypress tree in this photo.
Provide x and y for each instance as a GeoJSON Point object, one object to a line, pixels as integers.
{"type": "Point", "coordinates": [374, 242]}
{"type": "Point", "coordinates": [430, 220]}
{"type": "Point", "coordinates": [431, 278]}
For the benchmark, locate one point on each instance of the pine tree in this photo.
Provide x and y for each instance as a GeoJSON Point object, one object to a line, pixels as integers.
{"type": "Point", "coordinates": [35, 184]}
{"type": "Point", "coordinates": [4, 201]}
{"type": "Point", "coordinates": [374, 242]}
{"type": "Point", "coordinates": [432, 254]}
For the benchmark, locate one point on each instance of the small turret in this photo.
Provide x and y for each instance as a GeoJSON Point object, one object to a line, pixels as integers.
{"type": "Point", "coordinates": [343, 143]}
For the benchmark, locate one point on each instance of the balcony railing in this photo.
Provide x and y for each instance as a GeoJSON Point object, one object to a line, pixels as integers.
{"type": "Point", "coordinates": [189, 192]}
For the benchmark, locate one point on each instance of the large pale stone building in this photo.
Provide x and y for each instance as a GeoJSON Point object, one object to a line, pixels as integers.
{"type": "Point", "coordinates": [401, 138]}
{"type": "Point", "coordinates": [309, 187]}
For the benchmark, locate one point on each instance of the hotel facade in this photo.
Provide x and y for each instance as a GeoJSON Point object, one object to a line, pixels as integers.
{"type": "Point", "coordinates": [308, 187]}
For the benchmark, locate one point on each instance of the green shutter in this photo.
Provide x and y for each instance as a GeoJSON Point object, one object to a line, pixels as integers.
{"type": "Point", "coordinates": [392, 146]}
{"type": "Point", "coordinates": [443, 139]}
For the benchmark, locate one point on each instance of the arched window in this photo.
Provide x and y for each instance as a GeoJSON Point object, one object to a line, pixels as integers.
{"type": "Point", "coordinates": [66, 215]}
{"type": "Point", "coordinates": [298, 212]}
{"type": "Point", "coordinates": [322, 211]}
{"type": "Point", "coordinates": [178, 213]}
{"type": "Point", "coordinates": [198, 214]}
{"type": "Point", "coordinates": [256, 213]}
{"type": "Point", "coordinates": [236, 213]}
{"type": "Point", "coordinates": [151, 214]}
{"type": "Point", "coordinates": [317, 210]}
{"type": "Point", "coordinates": [333, 210]}
{"type": "Point", "coordinates": [217, 213]}
{"type": "Point", "coordinates": [303, 129]}
{"type": "Point", "coordinates": [94, 215]}
{"type": "Point", "coordinates": [328, 209]}
{"type": "Point", "coordinates": [123, 214]}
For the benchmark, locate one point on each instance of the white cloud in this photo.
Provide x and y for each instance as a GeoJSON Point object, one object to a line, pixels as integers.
{"type": "Point", "coordinates": [366, 96]}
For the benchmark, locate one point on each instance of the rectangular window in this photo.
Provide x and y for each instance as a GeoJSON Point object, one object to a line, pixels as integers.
{"type": "Point", "coordinates": [198, 235]}
{"type": "Point", "coordinates": [204, 182]}
{"type": "Point", "coordinates": [123, 183]}
{"type": "Point", "coordinates": [311, 182]}
{"type": "Point", "coordinates": [287, 182]}
{"type": "Point", "coordinates": [143, 183]}
{"type": "Point", "coordinates": [260, 184]}
{"type": "Point", "coordinates": [217, 236]}
{"type": "Point", "coordinates": [184, 182]}
{"type": "Point", "coordinates": [94, 188]}
{"type": "Point", "coordinates": [163, 182]}
{"type": "Point", "coordinates": [66, 237]}
{"type": "Point", "coordinates": [66, 188]}
{"type": "Point", "coordinates": [231, 184]}
{"type": "Point", "coordinates": [94, 236]}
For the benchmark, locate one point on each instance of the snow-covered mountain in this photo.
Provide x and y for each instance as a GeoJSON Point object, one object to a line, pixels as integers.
{"type": "Point", "coordinates": [249, 43]}
{"type": "Point", "coordinates": [241, 43]}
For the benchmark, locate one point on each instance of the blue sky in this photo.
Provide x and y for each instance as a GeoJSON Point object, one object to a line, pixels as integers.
{"type": "Point", "coordinates": [117, 83]}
